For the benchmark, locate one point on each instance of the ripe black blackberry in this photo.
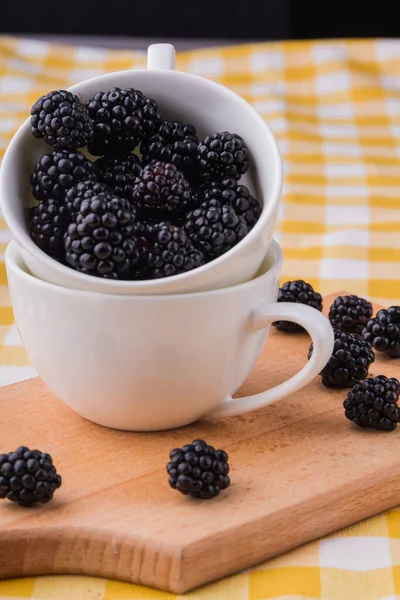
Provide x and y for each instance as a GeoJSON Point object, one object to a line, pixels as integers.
{"type": "Point", "coordinates": [350, 360]}
{"type": "Point", "coordinates": [119, 172]}
{"type": "Point", "coordinates": [160, 190]}
{"type": "Point", "coordinates": [28, 476]}
{"type": "Point", "coordinates": [223, 155]}
{"type": "Point", "coordinates": [169, 251]}
{"type": "Point", "coordinates": [172, 142]}
{"type": "Point", "coordinates": [198, 470]}
{"type": "Point", "coordinates": [61, 120]}
{"type": "Point", "coordinates": [101, 241]}
{"type": "Point", "coordinates": [383, 332]}
{"type": "Point", "coordinates": [215, 230]}
{"type": "Point", "coordinates": [350, 313]}
{"type": "Point", "coordinates": [48, 222]}
{"type": "Point", "coordinates": [121, 120]}
{"type": "Point", "coordinates": [373, 403]}
{"type": "Point", "coordinates": [147, 111]}
{"type": "Point", "coordinates": [227, 191]}
{"type": "Point", "coordinates": [59, 171]}
{"type": "Point", "coordinates": [302, 293]}
{"type": "Point", "coordinates": [84, 190]}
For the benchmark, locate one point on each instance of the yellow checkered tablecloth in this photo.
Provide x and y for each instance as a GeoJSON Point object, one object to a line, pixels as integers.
{"type": "Point", "coordinates": [335, 110]}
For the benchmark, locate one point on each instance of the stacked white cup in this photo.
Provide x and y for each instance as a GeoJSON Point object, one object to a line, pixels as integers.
{"type": "Point", "coordinates": [157, 354]}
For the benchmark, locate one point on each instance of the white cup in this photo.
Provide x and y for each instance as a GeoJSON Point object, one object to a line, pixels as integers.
{"type": "Point", "coordinates": [150, 363]}
{"type": "Point", "coordinates": [181, 96]}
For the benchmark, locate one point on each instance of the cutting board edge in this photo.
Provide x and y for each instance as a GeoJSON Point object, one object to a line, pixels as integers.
{"type": "Point", "coordinates": [179, 572]}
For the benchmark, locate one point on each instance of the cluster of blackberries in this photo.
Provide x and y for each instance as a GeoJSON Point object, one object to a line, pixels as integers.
{"type": "Point", "coordinates": [372, 403]}
{"type": "Point", "coordinates": [158, 201]}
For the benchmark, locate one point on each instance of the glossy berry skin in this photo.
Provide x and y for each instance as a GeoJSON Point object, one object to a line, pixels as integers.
{"type": "Point", "coordinates": [198, 470]}
{"type": "Point", "coordinates": [228, 191]}
{"type": "Point", "coordinates": [349, 362]}
{"type": "Point", "coordinates": [48, 222]}
{"type": "Point", "coordinates": [62, 120]}
{"type": "Point", "coordinates": [383, 332]}
{"type": "Point", "coordinates": [119, 173]}
{"type": "Point", "coordinates": [350, 313]}
{"type": "Point", "coordinates": [373, 403]}
{"type": "Point", "coordinates": [161, 192]}
{"type": "Point", "coordinates": [28, 477]}
{"type": "Point", "coordinates": [215, 229]}
{"type": "Point", "coordinates": [101, 241]}
{"type": "Point", "coordinates": [302, 293]}
{"type": "Point", "coordinates": [223, 155]}
{"type": "Point", "coordinates": [84, 190]}
{"type": "Point", "coordinates": [57, 172]}
{"type": "Point", "coordinates": [169, 251]}
{"type": "Point", "coordinates": [172, 142]}
{"type": "Point", "coordinates": [121, 118]}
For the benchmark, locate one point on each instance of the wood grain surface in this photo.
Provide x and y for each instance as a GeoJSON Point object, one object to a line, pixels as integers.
{"type": "Point", "coordinates": [299, 470]}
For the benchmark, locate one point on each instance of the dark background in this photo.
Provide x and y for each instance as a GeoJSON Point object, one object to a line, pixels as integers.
{"type": "Point", "coordinates": [223, 19]}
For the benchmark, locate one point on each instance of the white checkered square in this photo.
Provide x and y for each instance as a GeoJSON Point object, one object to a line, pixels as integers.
{"type": "Point", "coordinates": [329, 83]}
{"type": "Point", "coordinates": [356, 553]}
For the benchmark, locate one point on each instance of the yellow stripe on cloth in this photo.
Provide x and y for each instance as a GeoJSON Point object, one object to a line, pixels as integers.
{"type": "Point", "coordinates": [335, 109]}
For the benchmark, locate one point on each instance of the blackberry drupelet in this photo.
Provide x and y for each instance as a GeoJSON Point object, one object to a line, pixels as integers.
{"type": "Point", "coordinates": [119, 173]}
{"type": "Point", "coordinates": [57, 172]}
{"type": "Point", "coordinates": [61, 120]}
{"type": "Point", "coordinates": [101, 241]}
{"type": "Point", "coordinates": [350, 313]}
{"type": "Point", "coordinates": [169, 251]}
{"type": "Point", "coordinates": [383, 332]}
{"type": "Point", "coordinates": [302, 293]}
{"type": "Point", "coordinates": [161, 191]}
{"type": "Point", "coordinates": [198, 470]}
{"type": "Point", "coordinates": [28, 476]}
{"type": "Point", "coordinates": [223, 155]}
{"type": "Point", "coordinates": [227, 191]}
{"type": "Point", "coordinates": [121, 119]}
{"type": "Point", "coordinates": [84, 190]}
{"type": "Point", "coordinates": [350, 360]}
{"type": "Point", "coordinates": [373, 403]}
{"type": "Point", "coordinates": [175, 143]}
{"type": "Point", "coordinates": [48, 222]}
{"type": "Point", "coordinates": [215, 230]}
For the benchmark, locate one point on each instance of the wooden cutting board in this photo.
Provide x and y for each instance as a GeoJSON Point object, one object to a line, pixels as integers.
{"type": "Point", "coordinates": [299, 470]}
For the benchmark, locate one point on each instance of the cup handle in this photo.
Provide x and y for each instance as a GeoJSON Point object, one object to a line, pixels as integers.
{"type": "Point", "coordinates": [161, 56]}
{"type": "Point", "coordinates": [321, 333]}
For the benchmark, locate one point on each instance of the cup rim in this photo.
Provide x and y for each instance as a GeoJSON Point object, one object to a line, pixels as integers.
{"type": "Point", "coordinates": [23, 239]}
{"type": "Point", "coordinates": [13, 254]}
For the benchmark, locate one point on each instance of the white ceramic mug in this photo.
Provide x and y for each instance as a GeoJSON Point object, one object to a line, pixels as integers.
{"type": "Point", "coordinates": [157, 362]}
{"type": "Point", "coordinates": [180, 96]}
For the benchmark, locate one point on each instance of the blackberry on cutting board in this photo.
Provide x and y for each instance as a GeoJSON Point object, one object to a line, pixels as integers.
{"type": "Point", "coordinates": [169, 252]}
{"type": "Point", "coordinates": [215, 229]}
{"type": "Point", "coordinates": [198, 470]}
{"type": "Point", "coordinates": [172, 142]}
{"type": "Point", "coordinates": [48, 222]}
{"type": "Point", "coordinates": [350, 360]}
{"type": "Point", "coordinates": [28, 476]}
{"type": "Point", "coordinates": [57, 172]}
{"type": "Point", "coordinates": [160, 190]}
{"type": "Point", "coordinates": [228, 191]}
{"type": "Point", "coordinates": [302, 293]}
{"type": "Point", "coordinates": [373, 403]}
{"type": "Point", "coordinates": [350, 313]}
{"type": "Point", "coordinates": [383, 332]}
{"type": "Point", "coordinates": [119, 173]}
{"type": "Point", "coordinates": [62, 120]}
{"type": "Point", "coordinates": [223, 155]}
{"type": "Point", "coordinates": [84, 190]}
{"type": "Point", "coordinates": [121, 118]}
{"type": "Point", "coordinates": [101, 240]}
